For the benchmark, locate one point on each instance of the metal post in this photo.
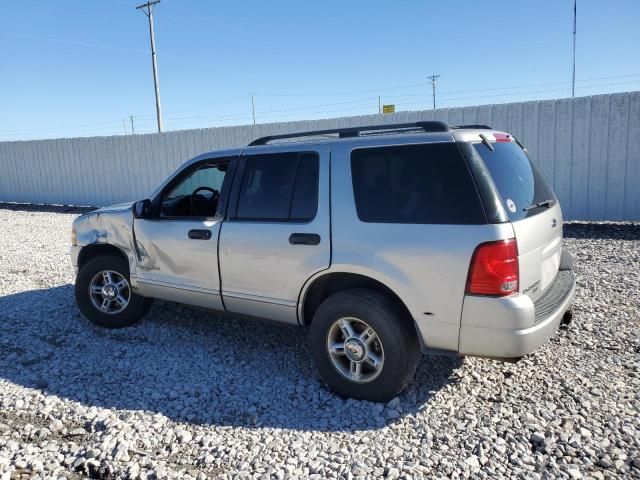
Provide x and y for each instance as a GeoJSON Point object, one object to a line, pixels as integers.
{"type": "Point", "coordinates": [124, 126]}
{"type": "Point", "coordinates": [433, 86]}
{"type": "Point", "coordinates": [379, 104]}
{"type": "Point", "coordinates": [573, 68]}
{"type": "Point", "coordinates": [133, 130]}
{"type": "Point", "coordinates": [253, 109]}
{"type": "Point", "coordinates": [149, 13]}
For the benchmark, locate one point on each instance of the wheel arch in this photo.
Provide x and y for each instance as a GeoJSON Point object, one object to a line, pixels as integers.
{"type": "Point", "coordinates": [320, 288]}
{"type": "Point", "coordinates": [93, 250]}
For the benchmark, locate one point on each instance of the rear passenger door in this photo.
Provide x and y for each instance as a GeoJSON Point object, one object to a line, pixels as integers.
{"type": "Point", "coordinates": [277, 233]}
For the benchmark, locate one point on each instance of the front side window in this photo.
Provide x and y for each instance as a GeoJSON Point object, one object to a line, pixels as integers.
{"type": "Point", "coordinates": [281, 186]}
{"type": "Point", "coordinates": [424, 184]}
{"type": "Point", "coordinates": [196, 195]}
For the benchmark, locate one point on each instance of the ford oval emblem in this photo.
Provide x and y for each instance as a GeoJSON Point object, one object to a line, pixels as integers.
{"type": "Point", "coordinates": [553, 223]}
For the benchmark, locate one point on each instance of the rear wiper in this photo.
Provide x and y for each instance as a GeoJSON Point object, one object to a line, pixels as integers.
{"type": "Point", "coordinates": [543, 203]}
{"type": "Point", "coordinates": [486, 142]}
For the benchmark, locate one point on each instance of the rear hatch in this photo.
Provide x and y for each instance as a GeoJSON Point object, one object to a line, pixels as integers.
{"type": "Point", "coordinates": [532, 208]}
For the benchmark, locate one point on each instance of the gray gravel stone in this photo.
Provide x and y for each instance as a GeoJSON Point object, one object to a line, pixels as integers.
{"type": "Point", "coordinates": [189, 394]}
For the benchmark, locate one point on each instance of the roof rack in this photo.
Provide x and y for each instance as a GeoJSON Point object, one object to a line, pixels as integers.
{"type": "Point", "coordinates": [348, 132]}
{"type": "Point", "coordinates": [474, 125]}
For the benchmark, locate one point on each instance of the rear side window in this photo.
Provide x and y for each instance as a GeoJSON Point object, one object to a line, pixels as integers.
{"type": "Point", "coordinates": [518, 180]}
{"type": "Point", "coordinates": [425, 184]}
{"type": "Point", "coordinates": [281, 186]}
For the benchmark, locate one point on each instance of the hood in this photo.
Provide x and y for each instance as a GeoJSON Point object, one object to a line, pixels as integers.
{"type": "Point", "coordinates": [110, 209]}
{"type": "Point", "coordinates": [115, 208]}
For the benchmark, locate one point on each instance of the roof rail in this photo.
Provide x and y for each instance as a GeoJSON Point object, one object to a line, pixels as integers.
{"type": "Point", "coordinates": [347, 132]}
{"type": "Point", "coordinates": [475, 125]}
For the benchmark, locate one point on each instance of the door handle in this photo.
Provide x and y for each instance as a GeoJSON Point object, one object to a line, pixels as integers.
{"type": "Point", "coordinates": [304, 239]}
{"type": "Point", "coordinates": [199, 234]}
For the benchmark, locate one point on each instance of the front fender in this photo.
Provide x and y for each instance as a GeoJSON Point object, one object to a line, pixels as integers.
{"type": "Point", "coordinates": [111, 227]}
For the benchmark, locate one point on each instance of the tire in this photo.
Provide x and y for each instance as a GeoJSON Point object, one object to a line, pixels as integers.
{"type": "Point", "coordinates": [395, 339]}
{"type": "Point", "coordinates": [119, 316]}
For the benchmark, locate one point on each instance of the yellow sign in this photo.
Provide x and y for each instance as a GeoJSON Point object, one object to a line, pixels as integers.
{"type": "Point", "coordinates": [388, 109]}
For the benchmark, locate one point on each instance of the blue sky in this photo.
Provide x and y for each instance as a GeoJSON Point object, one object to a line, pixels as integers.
{"type": "Point", "coordinates": [76, 68]}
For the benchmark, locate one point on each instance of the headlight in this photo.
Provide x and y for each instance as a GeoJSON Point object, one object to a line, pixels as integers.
{"type": "Point", "coordinates": [74, 240]}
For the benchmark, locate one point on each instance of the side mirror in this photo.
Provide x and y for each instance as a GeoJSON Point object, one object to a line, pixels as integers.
{"type": "Point", "coordinates": [142, 209]}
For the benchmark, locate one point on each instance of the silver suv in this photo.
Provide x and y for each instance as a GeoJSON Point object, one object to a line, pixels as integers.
{"type": "Point", "coordinates": [382, 241]}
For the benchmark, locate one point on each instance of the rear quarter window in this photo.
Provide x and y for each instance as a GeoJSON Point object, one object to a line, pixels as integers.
{"type": "Point", "coordinates": [518, 179]}
{"type": "Point", "coordinates": [424, 184]}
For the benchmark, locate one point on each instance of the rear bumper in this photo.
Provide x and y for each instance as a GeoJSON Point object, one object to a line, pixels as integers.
{"type": "Point", "coordinates": [514, 326]}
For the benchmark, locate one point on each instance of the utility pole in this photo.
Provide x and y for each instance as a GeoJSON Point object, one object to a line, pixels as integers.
{"type": "Point", "coordinates": [149, 13]}
{"type": "Point", "coordinates": [379, 104]}
{"type": "Point", "coordinates": [573, 69]}
{"type": "Point", "coordinates": [133, 130]}
{"type": "Point", "coordinates": [253, 109]}
{"type": "Point", "coordinates": [433, 86]}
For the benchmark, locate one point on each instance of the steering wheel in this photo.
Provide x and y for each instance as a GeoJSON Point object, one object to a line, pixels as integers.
{"type": "Point", "coordinates": [196, 201]}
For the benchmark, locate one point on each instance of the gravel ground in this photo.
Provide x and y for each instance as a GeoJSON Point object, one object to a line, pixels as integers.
{"type": "Point", "coordinates": [188, 394]}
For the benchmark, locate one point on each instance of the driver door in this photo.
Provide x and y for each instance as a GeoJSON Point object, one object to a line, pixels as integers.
{"type": "Point", "coordinates": [178, 246]}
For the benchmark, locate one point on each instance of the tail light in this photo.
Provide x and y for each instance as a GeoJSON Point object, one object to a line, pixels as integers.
{"type": "Point", "coordinates": [494, 269]}
{"type": "Point", "coordinates": [502, 137]}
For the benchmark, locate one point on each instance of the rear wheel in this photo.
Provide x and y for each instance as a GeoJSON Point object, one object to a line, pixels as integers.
{"type": "Point", "coordinates": [104, 295]}
{"type": "Point", "coordinates": [363, 345]}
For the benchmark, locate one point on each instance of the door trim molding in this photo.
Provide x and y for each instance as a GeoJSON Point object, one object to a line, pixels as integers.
{"type": "Point", "coordinates": [258, 298]}
{"type": "Point", "coordinates": [179, 286]}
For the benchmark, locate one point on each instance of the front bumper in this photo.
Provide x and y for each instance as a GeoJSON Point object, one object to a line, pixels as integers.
{"type": "Point", "coordinates": [514, 326]}
{"type": "Point", "coordinates": [73, 255]}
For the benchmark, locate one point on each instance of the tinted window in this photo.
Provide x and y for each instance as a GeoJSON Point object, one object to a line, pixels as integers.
{"type": "Point", "coordinates": [280, 186]}
{"type": "Point", "coordinates": [415, 184]}
{"type": "Point", "coordinates": [305, 194]}
{"type": "Point", "coordinates": [519, 181]}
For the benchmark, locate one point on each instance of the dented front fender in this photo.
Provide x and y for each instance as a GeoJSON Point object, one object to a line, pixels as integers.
{"type": "Point", "coordinates": [110, 225]}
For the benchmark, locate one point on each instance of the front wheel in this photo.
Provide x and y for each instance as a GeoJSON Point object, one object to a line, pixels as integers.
{"type": "Point", "coordinates": [104, 295]}
{"type": "Point", "coordinates": [363, 346]}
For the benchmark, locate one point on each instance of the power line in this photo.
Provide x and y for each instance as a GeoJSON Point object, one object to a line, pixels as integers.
{"type": "Point", "coordinates": [202, 17]}
{"type": "Point", "coordinates": [539, 84]}
{"type": "Point", "coordinates": [338, 94]}
{"type": "Point", "coordinates": [350, 106]}
{"type": "Point", "coordinates": [548, 90]}
{"type": "Point", "coordinates": [124, 2]}
{"type": "Point", "coordinates": [71, 42]}
{"type": "Point", "coordinates": [362, 107]}
{"type": "Point", "coordinates": [403, 87]}
{"type": "Point", "coordinates": [305, 107]}
{"type": "Point", "coordinates": [184, 114]}
{"type": "Point", "coordinates": [448, 94]}
{"type": "Point", "coordinates": [200, 107]}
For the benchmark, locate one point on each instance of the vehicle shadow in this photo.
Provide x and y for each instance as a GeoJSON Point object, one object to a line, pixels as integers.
{"type": "Point", "coordinates": [189, 365]}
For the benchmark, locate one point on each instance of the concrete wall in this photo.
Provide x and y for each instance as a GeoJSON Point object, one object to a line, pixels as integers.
{"type": "Point", "coordinates": [588, 147]}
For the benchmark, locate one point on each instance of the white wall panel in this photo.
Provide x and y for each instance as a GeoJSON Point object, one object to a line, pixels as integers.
{"type": "Point", "coordinates": [589, 148]}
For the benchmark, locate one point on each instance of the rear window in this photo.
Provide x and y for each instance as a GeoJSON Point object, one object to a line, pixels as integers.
{"type": "Point", "coordinates": [425, 184]}
{"type": "Point", "coordinates": [519, 180]}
